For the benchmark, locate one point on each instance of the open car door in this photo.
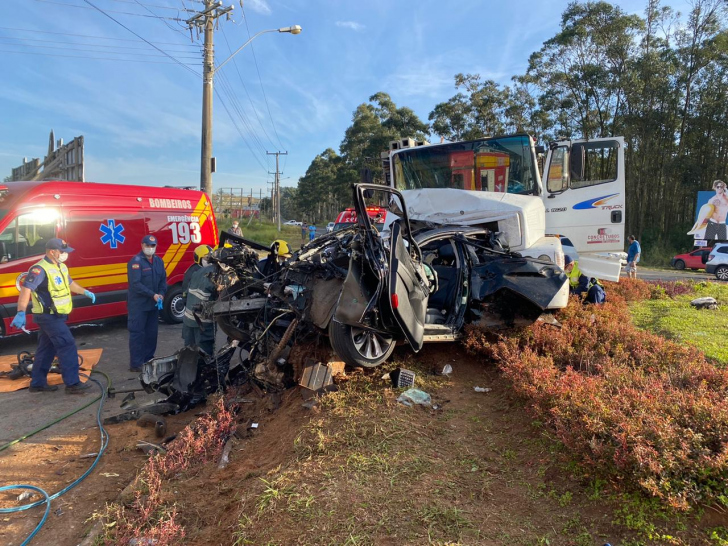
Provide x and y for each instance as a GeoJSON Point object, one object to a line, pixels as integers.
{"type": "Point", "coordinates": [408, 291]}
{"type": "Point", "coordinates": [584, 197]}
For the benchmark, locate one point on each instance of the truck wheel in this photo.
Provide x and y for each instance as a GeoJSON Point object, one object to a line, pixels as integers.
{"type": "Point", "coordinates": [174, 306]}
{"type": "Point", "coordinates": [360, 346]}
{"type": "Point", "coordinates": [679, 264]}
{"type": "Point", "coordinates": [722, 273]}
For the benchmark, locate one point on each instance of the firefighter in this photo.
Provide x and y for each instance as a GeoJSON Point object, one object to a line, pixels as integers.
{"type": "Point", "coordinates": [147, 286]}
{"type": "Point", "coordinates": [279, 253]}
{"type": "Point", "coordinates": [198, 331]}
{"type": "Point", "coordinates": [49, 286]}
{"type": "Point", "coordinates": [201, 256]}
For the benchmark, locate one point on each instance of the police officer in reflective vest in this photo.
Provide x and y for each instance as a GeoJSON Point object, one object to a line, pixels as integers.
{"type": "Point", "coordinates": [147, 286]}
{"type": "Point", "coordinates": [49, 286]}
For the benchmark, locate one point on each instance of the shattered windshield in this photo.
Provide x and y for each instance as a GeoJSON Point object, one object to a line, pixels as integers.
{"type": "Point", "coordinates": [493, 164]}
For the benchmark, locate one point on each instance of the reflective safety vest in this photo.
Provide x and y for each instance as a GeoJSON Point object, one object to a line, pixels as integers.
{"type": "Point", "coordinates": [574, 275]}
{"type": "Point", "coordinates": [58, 287]}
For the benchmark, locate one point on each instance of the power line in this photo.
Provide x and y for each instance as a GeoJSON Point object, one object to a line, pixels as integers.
{"type": "Point", "coordinates": [79, 43]}
{"type": "Point", "coordinates": [110, 11]}
{"type": "Point", "coordinates": [261, 79]}
{"type": "Point", "coordinates": [89, 36]}
{"type": "Point", "coordinates": [225, 86]}
{"type": "Point", "coordinates": [94, 58]}
{"type": "Point", "coordinates": [147, 41]}
{"type": "Point", "coordinates": [92, 51]}
{"type": "Point", "coordinates": [165, 22]}
{"type": "Point", "coordinates": [238, 129]}
{"type": "Point", "coordinates": [151, 5]}
{"type": "Point", "coordinates": [255, 111]}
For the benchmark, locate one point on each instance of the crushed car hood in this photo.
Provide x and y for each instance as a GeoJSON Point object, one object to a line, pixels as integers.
{"type": "Point", "coordinates": [513, 213]}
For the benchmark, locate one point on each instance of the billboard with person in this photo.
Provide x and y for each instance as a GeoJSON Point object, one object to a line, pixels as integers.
{"type": "Point", "coordinates": [710, 220]}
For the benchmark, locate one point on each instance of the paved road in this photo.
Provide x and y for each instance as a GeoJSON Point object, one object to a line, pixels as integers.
{"type": "Point", "coordinates": [649, 274]}
{"type": "Point", "coordinates": [22, 411]}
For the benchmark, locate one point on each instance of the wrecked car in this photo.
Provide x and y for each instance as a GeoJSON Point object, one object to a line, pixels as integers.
{"type": "Point", "coordinates": [366, 291]}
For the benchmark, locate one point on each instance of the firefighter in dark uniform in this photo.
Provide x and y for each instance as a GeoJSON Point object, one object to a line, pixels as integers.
{"type": "Point", "coordinates": [147, 286]}
{"type": "Point", "coordinates": [201, 254]}
{"type": "Point", "coordinates": [50, 286]}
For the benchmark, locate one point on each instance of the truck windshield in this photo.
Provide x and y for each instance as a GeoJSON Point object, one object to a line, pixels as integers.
{"type": "Point", "coordinates": [493, 164]}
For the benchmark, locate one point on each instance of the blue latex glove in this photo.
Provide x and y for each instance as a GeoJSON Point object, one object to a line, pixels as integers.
{"type": "Point", "coordinates": [160, 304]}
{"type": "Point", "coordinates": [90, 295]}
{"type": "Point", "coordinates": [19, 320]}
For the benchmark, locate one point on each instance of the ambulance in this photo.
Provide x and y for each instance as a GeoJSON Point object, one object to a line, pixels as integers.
{"type": "Point", "coordinates": [105, 224]}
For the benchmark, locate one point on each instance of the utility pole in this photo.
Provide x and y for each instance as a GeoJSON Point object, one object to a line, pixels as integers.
{"type": "Point", "coordinates": [277, 186]}
{"type": "Point", "coordinates": [205, 20]}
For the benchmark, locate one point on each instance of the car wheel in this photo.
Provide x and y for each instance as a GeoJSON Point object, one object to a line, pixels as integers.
{"type": "Point", "coordinates": [174, 306]}
{"type": "Point", "coordinates": [679, 264]}
{"type": "Point", "coordinates": [722, 273]}
{"type": "Point", "coordinates": [360, 347]}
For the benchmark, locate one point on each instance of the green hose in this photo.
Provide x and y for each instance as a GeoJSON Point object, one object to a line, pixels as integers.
{"type": "Point", "coordinates": [48, 425]}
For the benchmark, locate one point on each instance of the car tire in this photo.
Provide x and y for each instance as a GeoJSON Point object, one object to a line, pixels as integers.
{"type": "Point", "coordinates": [679, 264]}
{"type": "Point", "coordinates": [174, 305]}
{"type": "Point", "coordinates": [360, 347]}
{"type": "Point", "coordinates": [721, 273]}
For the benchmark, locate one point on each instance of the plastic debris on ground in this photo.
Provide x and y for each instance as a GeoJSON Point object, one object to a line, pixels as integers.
{"type": "Point", "coordinates": [705, 303]}
{"type": "Point", "coordinates": [483, 389]}
{"type": "Point", "coordinates": [410, 397]}
{"type": "Point", "coordinates": [400, 378]}
{"type": "Point", "coordinates": [446, 370]}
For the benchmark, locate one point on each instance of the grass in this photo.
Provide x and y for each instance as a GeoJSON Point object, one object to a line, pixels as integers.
{"type": "Point", "coordinates": [265, 232]}
{"type": "Point", "coordinates": [677, 320]}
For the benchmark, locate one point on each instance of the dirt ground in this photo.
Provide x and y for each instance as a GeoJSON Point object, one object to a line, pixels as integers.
{"type": "Point", "coordinates": [360, 468]}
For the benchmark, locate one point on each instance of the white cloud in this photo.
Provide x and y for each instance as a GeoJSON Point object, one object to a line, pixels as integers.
{"type": "Point", "coordinates": [258, 6]}
{"type": "Point", "coordinates": [353, 25]}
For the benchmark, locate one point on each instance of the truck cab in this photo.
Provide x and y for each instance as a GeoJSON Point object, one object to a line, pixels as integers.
{"type": "Point", "coordinates": [496, 183]}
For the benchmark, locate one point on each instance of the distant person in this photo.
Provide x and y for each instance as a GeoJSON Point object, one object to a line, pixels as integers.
{"type": "Point", "coordinates": [633, 257]}
{"type": "Point", "coordinates": [304, 231]}
{"type": "Point", "coordinates": [311, 232]}
{"type": "Point", "coordinates": [145, 298]}
{"type": "Point", "coordinates": [236, 230]}
{"type": "Point", "coordinates": [49, 286]}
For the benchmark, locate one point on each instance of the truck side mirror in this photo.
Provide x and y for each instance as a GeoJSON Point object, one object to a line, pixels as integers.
{"type": "Point", "coordinates": [577, 162]}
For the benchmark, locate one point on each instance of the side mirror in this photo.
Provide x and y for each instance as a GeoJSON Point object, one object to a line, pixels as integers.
{"type": "Point", "coordinates": [577, 162]}
{"type": "Point", "coordinates": [368, 194]}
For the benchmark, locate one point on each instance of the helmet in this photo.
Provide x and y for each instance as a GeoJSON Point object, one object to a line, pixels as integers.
{"type": "Point", "coordinates": [202, 251]}
{"type": "Point", "coordinates": [280, 247]}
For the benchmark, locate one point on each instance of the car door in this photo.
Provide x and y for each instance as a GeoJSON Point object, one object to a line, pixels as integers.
{"type": "Point", "coordinates": [407, 293]}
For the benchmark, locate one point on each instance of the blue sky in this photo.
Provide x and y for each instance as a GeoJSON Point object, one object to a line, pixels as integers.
{"type": "Point", "coordinates": [141, 120]}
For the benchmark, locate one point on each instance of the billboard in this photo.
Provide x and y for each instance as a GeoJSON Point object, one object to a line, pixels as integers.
{"type": "Point", "coordinates": [710, 219]}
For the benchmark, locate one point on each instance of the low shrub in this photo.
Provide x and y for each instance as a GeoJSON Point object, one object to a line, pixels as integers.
{"type": "Point", "coordinates": [151, 517]}
{"type": "Point", "coordinates": [629, 403]}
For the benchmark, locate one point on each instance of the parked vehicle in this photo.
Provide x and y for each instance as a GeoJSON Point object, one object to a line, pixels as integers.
{"type": "Point", "coordinates": [694, 259]}
{"type": "Point", "coordinates": [347, 217]}
{"type": "Point", "coordinates": [496, 183]}
{"type": "Point", "coordinates": [292, 223]}
{"type": "Point", "coordinates": [415, 283]}
{"type": "Point", "coordinates": [105, 223]}
{"type": "Point", "coordinates": [330, 227]}
{"type": "Point", "coordinates": [718, 262]}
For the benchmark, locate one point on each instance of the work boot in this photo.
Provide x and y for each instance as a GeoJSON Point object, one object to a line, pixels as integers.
{"type": "Point", "coordinates": [44, 388]}
{"type": "Point", "coordinates": [135, 370]}
{"type": "Point", "coordinates": [78, 388]}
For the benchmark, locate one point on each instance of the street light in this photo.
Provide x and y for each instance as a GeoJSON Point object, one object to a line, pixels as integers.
{"type": "Point", "coordinates": [295, 29]}
{"type": "Point", "coordinates": [208, 73]}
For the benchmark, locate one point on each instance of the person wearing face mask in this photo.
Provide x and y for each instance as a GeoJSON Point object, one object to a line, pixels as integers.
{"type": "Point", "coordinates": [49, 286]}
{"type": "Point", "coordinates": [147, 286]}
{"type": "Point", "coordinates": [201, 256]}
{"type": "Point", "coordinates": [235, 230]}
{"type": "Point", "coordinates": [198, 331]}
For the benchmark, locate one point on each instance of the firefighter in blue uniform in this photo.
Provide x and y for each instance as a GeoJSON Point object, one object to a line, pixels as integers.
{"type": "Point", "coordinates": [147, 286]}
{"type": "Point", "coordinates": [49, 286]}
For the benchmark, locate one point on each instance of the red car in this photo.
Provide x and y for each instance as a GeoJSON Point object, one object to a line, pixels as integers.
{"type": "Point", "coordinates": [692, 260]}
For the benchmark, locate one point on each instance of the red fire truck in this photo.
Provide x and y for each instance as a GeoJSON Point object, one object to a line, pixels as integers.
{"type": "Point", "coordinates": [347, 217]}
{"type": "Point", "coordinates": [105, 223]}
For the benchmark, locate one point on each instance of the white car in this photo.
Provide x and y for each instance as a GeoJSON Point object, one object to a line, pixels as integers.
{"type": "Point", "coordinates": [718, 262]}
{"type": "Point", "coordinates": [292, 223]}
{"type": "Point", "coordinates": [330, 227]}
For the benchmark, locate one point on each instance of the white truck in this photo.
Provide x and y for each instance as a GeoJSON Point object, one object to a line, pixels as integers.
{"type": "Point", "coordinates": [496, 183]}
